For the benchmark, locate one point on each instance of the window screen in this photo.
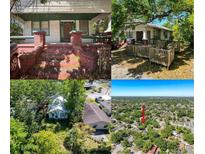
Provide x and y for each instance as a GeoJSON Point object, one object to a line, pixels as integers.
{"type": "Point", "coordinates": [36, 26]}
{"type": "Point", "coordinates": [83, 26]}
{"type": "Point", "coordinates": [45, 27]}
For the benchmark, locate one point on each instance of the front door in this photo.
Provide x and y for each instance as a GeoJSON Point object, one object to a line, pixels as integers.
{"type": "Point", "coordinates": [139, 36]}
{"type": "Point", "coordinates": [65, 28]}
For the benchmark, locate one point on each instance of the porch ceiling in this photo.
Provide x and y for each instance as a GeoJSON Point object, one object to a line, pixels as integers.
{"type": "Point", "coordinates": [56, 16]}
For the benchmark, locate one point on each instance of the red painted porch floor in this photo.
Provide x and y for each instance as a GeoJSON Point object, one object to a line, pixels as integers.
{"type": "Point", "coordinates": [54, 64]}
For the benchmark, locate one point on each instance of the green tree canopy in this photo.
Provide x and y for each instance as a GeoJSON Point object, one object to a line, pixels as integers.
{"type": "Point", "coordinates": [178, 12]}
{"type": "Point", "coordinates": [44, 142]}
{"type": "Point", "coordinates": [18, 134]}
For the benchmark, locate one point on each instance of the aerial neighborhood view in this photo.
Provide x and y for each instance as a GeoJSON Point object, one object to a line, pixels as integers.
{"type": "Point", "coordinates": [147, 121]}
{"type": "Point", "coordinates": [60, 116]}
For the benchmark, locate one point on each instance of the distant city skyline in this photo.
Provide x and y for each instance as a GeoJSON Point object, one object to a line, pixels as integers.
{"type": "Point", "coordinates": [178, 88]}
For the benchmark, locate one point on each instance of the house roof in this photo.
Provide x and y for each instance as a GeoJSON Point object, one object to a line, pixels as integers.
{"type": "Point", "coordinates": [64, 6]}
{"type": "Point", "coordinates": [106, 97]}
{"type": "Point", "coordinates": [93, 114]}
{"type": "Point", "coordinates": [107, 105]}
{"type": "Point", "coordinates": [57, 104]}
{"type": "Point", "coordinates": [138, 21]}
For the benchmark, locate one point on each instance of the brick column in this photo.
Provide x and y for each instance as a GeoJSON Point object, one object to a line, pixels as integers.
{"type": "Point", "coordinates": [76, 41]}
{"type": "Point", "coordinates": [39, 38]}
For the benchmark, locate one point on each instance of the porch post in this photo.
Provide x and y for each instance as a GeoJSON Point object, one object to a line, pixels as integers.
{"type": "Point", "coordinates": [145, 39]}
{"type": "Point", "coordinates": [39, 38]}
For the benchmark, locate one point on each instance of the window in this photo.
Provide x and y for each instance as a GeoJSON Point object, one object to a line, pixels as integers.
{"type": "Point", "coordinates": [129, 34]}
{"type": "Point", "coordinates": [83, 26]}
{"type": "Point", "coordinates": [165, 34]}
{"type": "Point", "coordinates": [45, 26]}
{"type": "Point", "coordinates": [157, 34]}
{"type": "Point", "coordinates": [36, 26]}
{"type": "Point", "coordinates": [40, 26]}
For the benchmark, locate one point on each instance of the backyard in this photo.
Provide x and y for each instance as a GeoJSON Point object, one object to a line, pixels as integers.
{"type": "Point", "coordinates": [126, 66]}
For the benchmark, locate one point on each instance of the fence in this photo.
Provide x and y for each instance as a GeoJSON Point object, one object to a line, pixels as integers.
{"type": "Point", "coordinates": [154, 54]}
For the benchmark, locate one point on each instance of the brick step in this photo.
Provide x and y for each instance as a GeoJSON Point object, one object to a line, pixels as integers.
{"type": "Point", "coordinates": [57, 57]}
{"type": "Point", "coordinates": [53, 73]}
{"type": "Point", "coordinates": [71, 64]}
{"type": "Point", "coordinates": [57, 50]}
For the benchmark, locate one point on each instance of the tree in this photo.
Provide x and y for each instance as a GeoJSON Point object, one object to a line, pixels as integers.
{"type": "Point", "coordinates": [72, 140]}
{"type": "Point", "coordinates": [161, 143]}
{"type": "Point", "coordinates": [45, 142]}
{"type": "Point", "coordinates": [173, 146]}
{"type": "Point", "coordinates": [77, 137]}
{"type": "Point", "coordinates": [118, 136]}
{"type": "Point", "coordinates": [147, 146]}
{"type": "Point", "coordinates": [15, 29]}
{"type": "Point", "coordinates": [125, 143]}
{"type": "Point", "coordinates": [167, 131]}
{"type": "Point", "coordinates": [139, 142]}
{"type": "Point", "coordinates": [38, 91]}
{"type": "Point", "coordinates": [29, 100]}
{"type": "Point", "coordinates": [189, 137]}
{"type": "Point", "coordinates": [74, 93]}
{"type": "Point", "coordinates": [151, 10]}
{"type": "Point", "coordinates": [18, 134]}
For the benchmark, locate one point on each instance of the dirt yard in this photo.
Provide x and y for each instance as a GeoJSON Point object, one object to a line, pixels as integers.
{"type": "Point", "coordinates": [126, 66]}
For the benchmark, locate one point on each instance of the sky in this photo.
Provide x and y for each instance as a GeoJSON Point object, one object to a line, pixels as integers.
{"type": "Point", "coordinates": [152, 88]}
{"type": "Point", "coordinates": [160, 22]}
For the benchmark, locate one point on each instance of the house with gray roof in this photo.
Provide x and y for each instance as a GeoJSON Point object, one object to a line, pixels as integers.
{"type": "Point", "coordinates": [95, 117]}
{"type": "Point", "coordinates": [142, 31]}
{"type": "Point", "coordinates": [59, 17]}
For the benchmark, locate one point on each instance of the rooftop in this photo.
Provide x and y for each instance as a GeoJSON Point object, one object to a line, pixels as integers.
{"type": "Point", "coordinates": [138, 21]}
{"type": "Point", "coordinates": [92, 114]}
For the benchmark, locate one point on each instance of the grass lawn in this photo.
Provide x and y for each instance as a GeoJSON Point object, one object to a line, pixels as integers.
{"type": "Point", "coordinates": [126, 66]}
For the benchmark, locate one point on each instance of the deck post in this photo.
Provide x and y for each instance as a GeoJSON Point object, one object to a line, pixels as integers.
{"type": "Point", "coordinates": [39, 38]}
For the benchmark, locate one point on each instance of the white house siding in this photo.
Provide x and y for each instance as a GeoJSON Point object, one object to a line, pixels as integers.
{"type": "Point", "coordinates": [77, 25]}
{"type": "Point", "coordinates": [151, 29]}
{"type": "Point", "coordinates": [54, 32]}
{"type": "Point", "coordinates": [27, 31]}
{"type": "Point", "coordinates": [133, 31]}
{"type": "Point", "coordinates": [54, 26]}
{"type": "Point", "coordinates": [58, 115]}
{"type": "Point", "coordinates": [163, 37]}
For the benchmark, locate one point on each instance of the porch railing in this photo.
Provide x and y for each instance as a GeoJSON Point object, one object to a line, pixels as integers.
{"type": "Point", "coordinates": [20, 39]}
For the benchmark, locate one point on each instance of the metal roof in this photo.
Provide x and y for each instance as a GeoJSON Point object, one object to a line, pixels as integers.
{"type": "Point", "coordinates": [93, 114]}
{"type": "Point", "coordinates": [138, 21]}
